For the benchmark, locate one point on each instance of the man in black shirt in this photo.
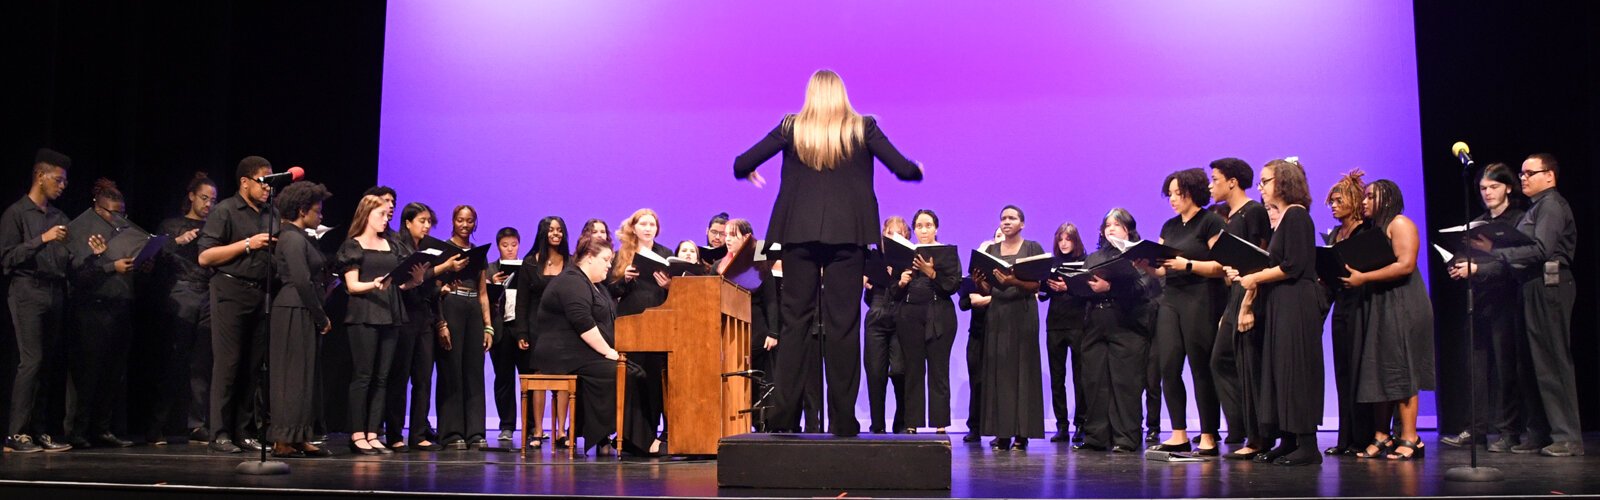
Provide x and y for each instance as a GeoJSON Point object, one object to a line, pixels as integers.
{"type": "Point", "coordinates": [33, 253]}
{"type": "Point", "coordinates": [102, 306]}
{"type": "Point", "coordinates": [186, 378]}
{"type": "Point", "coordinates": [1549, 388]}
{"type": "Point", "coordinates": [233, 243]}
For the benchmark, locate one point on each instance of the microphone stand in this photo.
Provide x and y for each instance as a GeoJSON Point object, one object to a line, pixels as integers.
{"type": "Point", "coordinates": [265, 467]}
{"type": "Point", "coordinates": [1471, 473]}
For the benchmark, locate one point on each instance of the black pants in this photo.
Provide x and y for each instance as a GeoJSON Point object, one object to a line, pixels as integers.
{"type": "Point", "coordinates": [460, 391]}
{"type": "Point", "coordinates": [1496, 329]}
{"type": "Point", "coordinates": [974, 380]}
{"type": "Point", "coordinates": [1224, 363]}
{"type": "Point", "coordinates": [1058, 341]}
{"type": "Point", "coordinates": [835, 271]}
{"type": "Point", "coordinates": [1186, 329]}
{"type": "Point", "coordinates": [1356, 419]}
{"type": "Point", "coordinates": [185, 382]}
{"type": "Point", "coordinates": [98, 362]}
{"type": "Point", "coordinates": [371, 356]}
{"type": "Point", "coordinates": [38, 393]}
{"type": "Point", "coordinates": [1114, 371]}
{"type": "Point", "coordinates": [505, 357]}
{"type": "Point", "coordinates": [596, 415]}
{"type": "Point", "coordinates": [413, 363]}
{"type": "Point", "coordinates": [1548, 385]}
{"type": "Point", "coordinates": [293, 356]}
{"type": "Point", "coordinates": [926, 359]}
{"type": "Point", "coordinates": [884, 360]}
{"type": "Point", "coordinates": [238, 348]}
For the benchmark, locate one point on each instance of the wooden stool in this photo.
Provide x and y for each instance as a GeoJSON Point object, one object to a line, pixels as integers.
{"type": "Point", "coordinates": [538, 384]}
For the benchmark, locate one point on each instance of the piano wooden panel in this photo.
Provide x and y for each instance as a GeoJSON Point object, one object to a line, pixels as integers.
{"type": "Point", "coordinates": [704, 329]}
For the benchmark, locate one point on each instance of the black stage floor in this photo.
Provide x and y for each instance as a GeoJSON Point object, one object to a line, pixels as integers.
{"type": "Point", "coordinates": [1046, 470]}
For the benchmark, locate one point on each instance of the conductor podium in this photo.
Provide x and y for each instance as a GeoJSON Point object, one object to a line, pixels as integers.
{"type": "Point", "coordinates": [704, 330]}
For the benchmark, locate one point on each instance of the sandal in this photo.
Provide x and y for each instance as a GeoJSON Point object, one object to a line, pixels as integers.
{"type": "Point", "coordinates": [1384, 447]}
{"type": "Point", "coordinates": [536, 442]}
{"type": "Point", "coordinates": [1417, 451]}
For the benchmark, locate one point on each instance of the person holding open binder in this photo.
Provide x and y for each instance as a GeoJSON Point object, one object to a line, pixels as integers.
{"type": "Point", "coordinates": [925, 323]}
{"type": "Point", "coordinates": [1116, 343]}
{"type": "Point", "coordinates": [1063, 322]}
{"type": "Point", "coordinates": [1186, 323]}
{"type": "Point", "coordinates": [1013, 401]}
{"type": "Point", "coordinates": [1355, 420]}
{"type": "Point", "coordinates": [635, 292]}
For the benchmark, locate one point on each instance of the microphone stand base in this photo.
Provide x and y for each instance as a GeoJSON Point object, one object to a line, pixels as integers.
{"type": "Point", "coordinates": [1468, 474]}
{"type": "Point", "coordinates": [262, 468]}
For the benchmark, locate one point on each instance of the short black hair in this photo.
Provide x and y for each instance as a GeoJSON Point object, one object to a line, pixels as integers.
{"type": "Point", "coordinates": [250, 164]}
{"type": "Point", "coordinates": [379, 191]}
{"type": "Point", "coordinates": [299, 197]}
{"type": "Point", "coordinates": [1549, 161]}
{"type": "Point", "coordinates": [720, 218]}
{"type": "Point", "coordinates": [51, 157]}
{"type": "Point", "coordinates": [933, 216]}
{"type": "Point", "coordinates": [1124, 217]}
{"type": "Point", "coordinates": [1236, 169]}
{"type": "Point", "coordinates": [506, 232]}
{"type": "Point", "coordinates": [1020, 216]}
{"type": "Point", "coordinates": [1191, 184]}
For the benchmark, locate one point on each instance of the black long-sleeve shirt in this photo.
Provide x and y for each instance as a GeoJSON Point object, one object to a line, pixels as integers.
{"type": "Point", "coordinates": [1555, 236]}
{"type": "Point", "coordinates": [231, 221]}
{"type": "Point", "coordinates": [182, 261]}
{"type": "Point", "coordinates": [25, 254]}
{"type": "Point", "coordinates": [95, 276]}
{"type": "Point", "coordinates": [302, 271]}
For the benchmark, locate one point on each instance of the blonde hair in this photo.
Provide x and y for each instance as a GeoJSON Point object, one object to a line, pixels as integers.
{"type": "Point", "coordinates": [629, 241]}
{"type": "Point", "coordinates": [368, 204]}
{"type": "Point", "coordinates": [895, 221]}
{"type": "Point", "coordinates": [827, 129]}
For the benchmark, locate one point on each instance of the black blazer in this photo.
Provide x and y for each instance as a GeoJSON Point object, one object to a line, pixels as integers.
{"type": "Point", "coordinates": [835, 206]}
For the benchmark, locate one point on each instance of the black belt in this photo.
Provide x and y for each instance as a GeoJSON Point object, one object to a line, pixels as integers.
{"type": "Point", "coordinates": [1102, 303]}
{"type": "Point", "coordinates": [252, 283]}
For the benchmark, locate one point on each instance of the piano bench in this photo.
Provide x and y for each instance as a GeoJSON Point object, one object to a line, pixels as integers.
{"type": "Point", "coordinates": [537, 384]}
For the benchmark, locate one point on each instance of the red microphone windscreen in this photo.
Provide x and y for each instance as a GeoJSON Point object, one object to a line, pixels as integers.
{"type": "Point", "coordinates": [297, 173]}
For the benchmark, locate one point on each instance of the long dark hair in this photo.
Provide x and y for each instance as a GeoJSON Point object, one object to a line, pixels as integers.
{"type": "Point", "coordinates": [1070, 232]}
{"type": "Point", "coordinates": [1387, 203]}
{"type": "Point", "coordinates": [1499, 172]}
{"type": "Point", "coordinates": [1123, 217]}
{"type": "Point", "coordinates": [541, 243]}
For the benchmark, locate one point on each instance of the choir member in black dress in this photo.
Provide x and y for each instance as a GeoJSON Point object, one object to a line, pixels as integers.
{"type": "Point", "coordinates": [1186, 323]}
{"type": "Point", "coordinates": [1013, 401]}
{"type": "Point", "coordinates": [507, 353]}
{"type": "Point", "coordinates": [297, 320]}
{"type": "Point", "coordinates": [925, 324]}
{"type": "Point", "coordinates": [1396, 355]}
{"type": "Point", "coordinates": [33, 237]}
{"type": "Point", "coordinates": [186, 312]}
{"type": "Point", "coordinates": [1290, 320]}
{"type": "Point", "coordinates": [1063, 322]}
{"type": "Point", "coordinates": [234, 243]}
{"type": "Point", "coordinates": [977, 322]}
{"type": "Point", "coordinates": [101, 302]}
{"type": "Point", "coordinates": [883, 357]}
{"type": "Point", "coordinates": [1235, 354]}
{"type": "Point", "coordinates": [1497, 322]}
{"type": "Point", "coordinates": [373, 317]}
{"type": "Point", "coordinates": [576, 330]}
{"type": "Point", "coordinates": [543, 262]}
{"type": "Point", "coordinates": [468, 335]}
{"type": "Point", "coordinates": [1548, 295]}
{"type": "Point", "coordinates": [1116, 345]}
{"type": "Point", "coordinates": [636, 293]}
{"type": "Point", "coordinates": [823, 216]}
{"type": "Point", "coordinates": [415, 347]}
{"type": "Point", "coordinates": [1355, 419]}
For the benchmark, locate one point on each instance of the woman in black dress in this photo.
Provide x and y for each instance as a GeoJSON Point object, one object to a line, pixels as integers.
{"type": "Point", "coordinates": [824, 217]}
{"type": "Point", "coordinates": [372, 317]}
{"type": "Point", "coordinates": [1498, 322]}
{"type": "Point", "coordinates": [1290, 321]}
{"type": "Point", "coordinates": [1063, 324]}
{"type": "Point", "coordinates": [925, 324]}
{"type": "Point", "coordinates": [1116, 342]}
{"type": "Point", "coordinates": [575, 325]}
{"type": "Point", "coordinates": [1186, 323]}
{"type": "Point", "coordinates": [1355, 420]}
{"type": "Point", "coordinates": [1396, 357]}
{"type": "Point", "coordinates": [297, 320]}
{"type": "Point", "coordinates": [543, 263]}
{"type": "Point", "coordinates": [636, 293]}
{"type": "Point", "coordinates": [468, 335]}
{"type": "Point", "coordinates": [1013, 401]}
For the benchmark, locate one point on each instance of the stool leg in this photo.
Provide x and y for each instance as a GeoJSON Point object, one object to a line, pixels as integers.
{"type": "Point", "coordinates": [567, 417]}
{"type": "Point", "coordinates": [524, 447]}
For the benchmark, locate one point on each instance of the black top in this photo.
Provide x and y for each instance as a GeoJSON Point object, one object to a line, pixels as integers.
{"type": "Point", "coordinates": [1193, 239]}
{"type": "Point", "coordinates": [231, 221]}
{"type": "Point", "coordinates": [421, 303]}
{"type": "Point", "coordinates": [1294, 245]}
{"type": "Point", "coordinates": [1066, 310]}
{"type": "Point", "coordinates": [1555, 236]}
{"type": "Point", "coordinates": [633, 297]}
{"type": "Point", "coordinates": [922, 289]}
{"type": "Point", "coordinates": [1250, 222]}
{"type": "Point", "coordinates": [26, 254]}
{"type": "Point", "coordinates": [376, 307]}
{"type": "Point", "coordinates": [1028, 248]}
{"type": "Point", "coordinates": [978, 322]}
{"type": "Point", "coordinates": [96, 276]}
{"type": "Point", "coordinates": [571, 305]}
{"type": "Point", "coordinates": [835, 206]}
{"type": "Point", "coordinates": [1492, 277]}
{"type": "Point", "coordinates": [183, 261]}
{"type": "Point", "coordinates": [301, 273]}
{"type": "Point", "coordinates": [466, 279]}
{"type": "Point", "coordinates": [530, 283]}
{"type": "Point", "coordinates": [1128, 295]}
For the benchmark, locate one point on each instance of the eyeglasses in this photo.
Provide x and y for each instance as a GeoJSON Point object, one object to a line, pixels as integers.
{"type": "Point", "coordinates": [1264, 182]}
{"type": "Point", "coordinates": [1530, 173]}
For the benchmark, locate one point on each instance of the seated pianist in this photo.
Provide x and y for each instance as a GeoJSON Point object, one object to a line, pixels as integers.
{"type": "Point", "coordinates": [575, 327]}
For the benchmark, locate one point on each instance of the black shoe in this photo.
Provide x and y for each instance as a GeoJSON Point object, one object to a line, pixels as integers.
{"type": "Point", "coordinates": [76, 442]}
{"type": "Point", "coordinates": [456, 444]}
{"type": "Point", "coordinates": [1000, 444]}
{"type": "Point", "coordinates": [971, 438]}
{"type": "Point", "coordinates": [199, 435]}
{"type": "Point", "coordinates": [1077, 435]}
{"type": "Point", "coordinates": [1234, 455]}
{"type": "Point", "coordinates": [1122, 449]}
{"type": "Point", "coordinates": [478, 444]}
{"type": "Point", "coordinates": [399, 446]}
{"type": "Point", "coordinates": [1087, 447]}
{"type": "Point", "coordinates": [22, 443]}
{"type": "Point", "coordinates": [314, 451]}
{"type": "Point", "coordinates": [1020, 444]}
{"type": "Point", "coordinates": [286, 451]}
{"type": "Point", "coordinates": [1299, 457]}
{"type": "Point", "coordinates": [1462, 439]}
{"type": "Point", "coordinates": [224, 445]}
{"type": "Point", "coordinates": [109, 440]}
{"type": "Point", "coordinates": [155, 438]}
{"type": "Point", "coordinates": [49, 444]}
{"type": "Point", "coordinates": [908, 430]}
{"type": "Point", "coordinates": [1234, 438]}
{"type": "Point", "coordinates": [1561, 449]}
{"type": "Point", "coordinates": [1335, 450]}
{"type": "Point", "coordinates": [1528, 447]}
{"type": "Point", "coordinates": [1173, 448]}
{"type": "Point", "coordinates": [1208, 452]}
{"type": "Point", "coordinates": [431, 446]}
{"type": "Point", "coordinates": [1061, 437]}
{"type": "Point", "coordinates": [362, 451]}
{"type": "Point", "coordinates": [250, 444]}
{"type": "Point", "coordinates": [1274, 454]}
{"type": "Point", "coordinates": [1503, 444]}
{"type": "Point", "coordinates": [1152, 437]}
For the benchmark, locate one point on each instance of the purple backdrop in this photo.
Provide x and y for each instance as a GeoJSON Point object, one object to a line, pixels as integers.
{"type": "Point", "coordinates": [595, 108]}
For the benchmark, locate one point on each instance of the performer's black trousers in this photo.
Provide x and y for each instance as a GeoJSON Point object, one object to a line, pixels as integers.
{"type": "Point", "coordinates": [38, 393]}
{"type": "Point", "coordinates": [186, 374]}
{"type": "Point", "coordinates": [1548, 384]}
{"type": "Point", "coordinates": [837, 270]}
{"type": "Point", "coordinates": [238, 347]}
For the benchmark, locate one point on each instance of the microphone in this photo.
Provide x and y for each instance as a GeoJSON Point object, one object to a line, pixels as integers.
{"type": "Point", "coordinates": [283, 178]}
{"type": "Point", "coordinates": [1462, 153]}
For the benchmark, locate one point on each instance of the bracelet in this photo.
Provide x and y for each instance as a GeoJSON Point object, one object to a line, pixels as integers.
{"type": "Point", "coordinates": [247, 247]}
{"type": "Point", "coordinates": [489, 330]}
